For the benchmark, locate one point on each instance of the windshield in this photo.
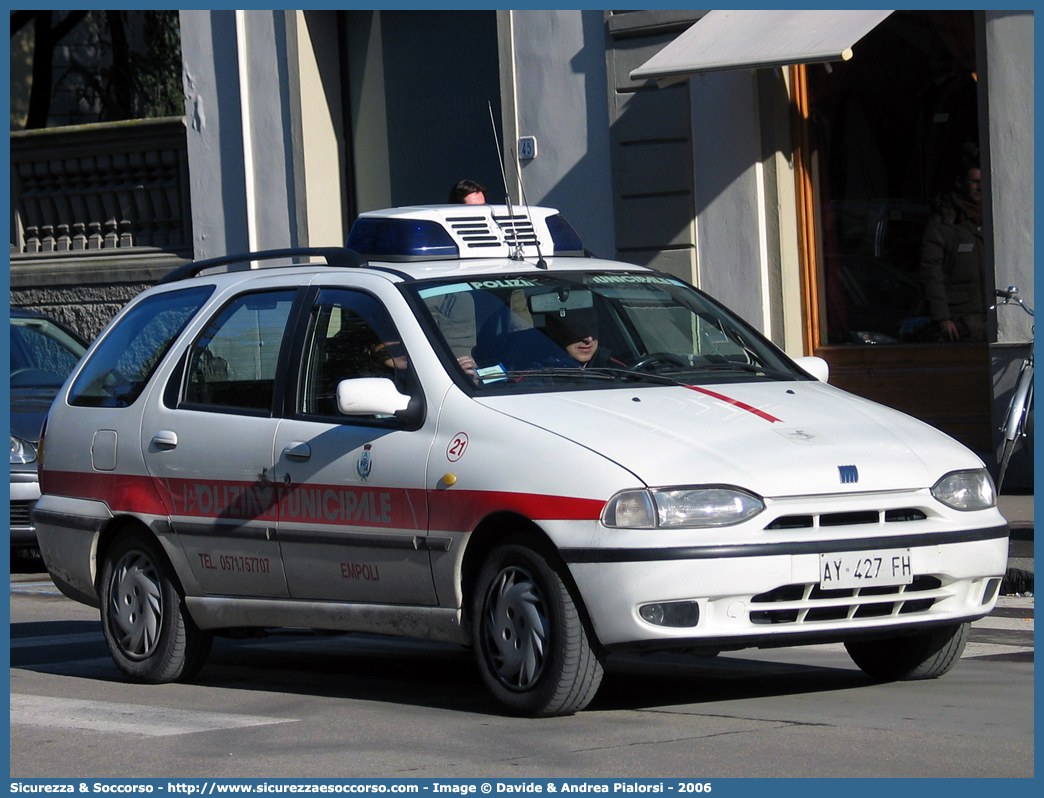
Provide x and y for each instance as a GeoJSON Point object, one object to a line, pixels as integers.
{"type": "Point", "coordinates": [42, 353]}
{"type": "Point", "coordinates": [561, 331]}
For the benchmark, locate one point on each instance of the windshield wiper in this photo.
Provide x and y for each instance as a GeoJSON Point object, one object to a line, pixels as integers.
{"type": "Point", "coordinates": [642, 376]}
{"type": "Point", "coordinates": [748, 368]}
{"type": "Point", "coordinates": [613, 374]}
{"type": "Point", "coordinates": [560, 371]}
{"type": "Point", "coordinates": [675, 375]}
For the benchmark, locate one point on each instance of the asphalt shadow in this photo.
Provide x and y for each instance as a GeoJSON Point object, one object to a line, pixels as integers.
{"type": "Point", "coordinates": [420, 673]}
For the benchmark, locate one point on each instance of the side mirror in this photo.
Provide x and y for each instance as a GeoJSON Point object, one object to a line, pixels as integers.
{"type": "Point", "coordinates": [815, 366]}
{"type": "Point", "coordinates": [370, 396]}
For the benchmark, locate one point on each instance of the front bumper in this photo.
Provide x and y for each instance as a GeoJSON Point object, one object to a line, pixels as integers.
{"type": "Point", "coordinates": [769, 594]}
{"type": "Point", "coordinates": [25, 490]}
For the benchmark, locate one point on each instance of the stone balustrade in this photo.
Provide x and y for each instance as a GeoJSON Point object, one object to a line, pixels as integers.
{"type": "Point", "coordinates": [96, 190]}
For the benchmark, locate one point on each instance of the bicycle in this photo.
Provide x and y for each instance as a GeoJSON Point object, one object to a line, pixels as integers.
{"type": "Point", "coordinates": [1013, 428]}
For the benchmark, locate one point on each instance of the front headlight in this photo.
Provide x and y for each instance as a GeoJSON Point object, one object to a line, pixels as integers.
{"type": "Point", "coordinates": [966, 490]}
{"type": "Point", "coordinates": [21, 451]}
{"type": "Point", "coordinates": [688, 508]}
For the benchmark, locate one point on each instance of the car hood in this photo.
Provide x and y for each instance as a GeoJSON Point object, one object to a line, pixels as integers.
{"type": "Point", "coordinates": [772, 438]}
{"type": "Point", "coordinates": [29, 408]}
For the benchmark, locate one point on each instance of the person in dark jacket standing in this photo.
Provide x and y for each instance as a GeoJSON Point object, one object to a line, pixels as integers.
{"type": "Point", "coordinates": [952, 259]}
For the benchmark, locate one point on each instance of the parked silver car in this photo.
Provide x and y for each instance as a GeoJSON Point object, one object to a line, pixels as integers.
{"type": "Point", "coordinates": [43, 352]}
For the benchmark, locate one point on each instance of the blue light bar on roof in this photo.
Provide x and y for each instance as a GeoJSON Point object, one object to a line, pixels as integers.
{"type": "Point", "coordinates": [401, 239]}
{"type": "Point", "coordinates": [566, 241]}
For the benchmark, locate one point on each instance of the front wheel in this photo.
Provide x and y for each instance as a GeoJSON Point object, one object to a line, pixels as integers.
{"type": "Point", "coordinates": [530, 642]}
{"type": "Point", "coordinates": [926, 655]}
{"type": "Point", "coordinates": [150, 635]}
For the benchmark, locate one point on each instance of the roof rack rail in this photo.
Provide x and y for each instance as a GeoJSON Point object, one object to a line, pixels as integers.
{"type": "Point", "coordinates": [335, 256]}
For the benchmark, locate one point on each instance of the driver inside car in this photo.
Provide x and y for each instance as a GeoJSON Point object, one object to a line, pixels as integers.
{"type": "Point", "coordinates": [576, 331]}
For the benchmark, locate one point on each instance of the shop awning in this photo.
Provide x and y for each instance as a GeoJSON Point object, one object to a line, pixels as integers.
{"type": "Point", "coordinates": [766, 38]}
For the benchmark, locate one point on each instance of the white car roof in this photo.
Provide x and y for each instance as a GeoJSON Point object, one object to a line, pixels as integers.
{"type": "Point", "coordinates": [495, 267]}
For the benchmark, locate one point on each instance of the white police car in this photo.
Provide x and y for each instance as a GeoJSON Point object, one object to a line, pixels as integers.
{"type": "Point", "coordinates": [462, 429]}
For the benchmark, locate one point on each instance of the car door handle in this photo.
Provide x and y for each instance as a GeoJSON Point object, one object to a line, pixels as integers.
{"type": "Point", "coordinates": [165, 439]}
{"type": "Point", "coordinates": [298, 451]}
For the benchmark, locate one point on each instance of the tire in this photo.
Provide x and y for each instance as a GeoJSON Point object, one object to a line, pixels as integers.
{"type": "Point", "coordinates": [927, 655]}
{"type": "Point", "coordinates": [148, 631]}
{"type": "Point", "coordinates": [531, 645]}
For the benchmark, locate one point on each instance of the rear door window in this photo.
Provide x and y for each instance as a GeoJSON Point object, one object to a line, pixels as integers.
{"type": "Point", "coordinates": [233, 364]}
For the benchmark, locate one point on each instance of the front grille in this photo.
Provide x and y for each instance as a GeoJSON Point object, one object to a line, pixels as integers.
{"type": "Point", "coordinates": [810, 603]}
{"type": "Point", "coordinates": [20, 514]}
{"type": "Point", "coordinates": [860, 517]}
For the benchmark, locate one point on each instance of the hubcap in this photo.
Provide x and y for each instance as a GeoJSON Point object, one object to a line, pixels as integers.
{"type": "Point", "coordinates": [135, 605]}
{"type": "Point", "coordinates": [516, 629]}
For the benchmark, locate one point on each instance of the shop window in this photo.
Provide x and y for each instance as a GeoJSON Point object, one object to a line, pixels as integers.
{"type": "Point", "coordinates": [888, 131]}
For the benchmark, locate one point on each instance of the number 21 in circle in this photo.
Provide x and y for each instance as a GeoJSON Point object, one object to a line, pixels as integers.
{"type": "Point", "coordinates": [457, 447]}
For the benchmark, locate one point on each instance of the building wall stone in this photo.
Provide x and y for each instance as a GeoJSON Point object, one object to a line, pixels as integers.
{"type": "Point", "coordinates": [86, 309]}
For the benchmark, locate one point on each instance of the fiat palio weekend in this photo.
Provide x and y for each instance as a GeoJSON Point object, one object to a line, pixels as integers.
{"type": "Point", "coordinates": [462, 428]}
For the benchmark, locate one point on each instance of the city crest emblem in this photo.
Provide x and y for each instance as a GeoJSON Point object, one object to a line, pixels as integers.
{"type": "Point", "coordinates": [365, 464]}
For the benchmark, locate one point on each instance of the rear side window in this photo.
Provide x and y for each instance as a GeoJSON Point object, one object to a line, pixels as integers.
{"type": "Point", "coordinates": [119, 369]}
{"type": "Point", "coordinates": [232, 367]}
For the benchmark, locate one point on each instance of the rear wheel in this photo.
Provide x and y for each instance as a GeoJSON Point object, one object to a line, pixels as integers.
{"type": "Point", "coordinates": [926, 655]}
{"type": "Point", "coordinates": [530, 642]}
{"type": "Point", "coordinates": [148, 631]}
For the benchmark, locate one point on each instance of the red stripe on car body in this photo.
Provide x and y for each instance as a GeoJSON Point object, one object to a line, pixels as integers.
{"type": "Point", "coordinates": [338, 505]}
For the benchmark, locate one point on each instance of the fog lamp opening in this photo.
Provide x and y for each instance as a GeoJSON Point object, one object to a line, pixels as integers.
{"type": "Point", "coordinates": [991, 591]}
{"type": "Point", "coordinates": [676, 614]}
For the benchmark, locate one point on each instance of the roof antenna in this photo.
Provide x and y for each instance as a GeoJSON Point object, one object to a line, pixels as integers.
{"type": "Point", "coordinates": [541, 263]}
{"type": "Point", "coordinates": [517, 253]}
